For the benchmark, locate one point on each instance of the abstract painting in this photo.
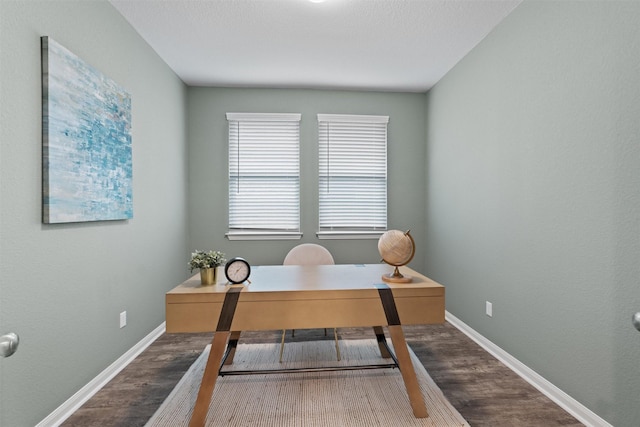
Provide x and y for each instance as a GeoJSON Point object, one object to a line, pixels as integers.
{"type": "Point", "coordinates": [86, 141]}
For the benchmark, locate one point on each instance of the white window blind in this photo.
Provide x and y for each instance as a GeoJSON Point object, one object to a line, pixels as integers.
{"type": "Point", "coordinates": [352, 173]}
{"type": "Point", "coordinates": [264, 175]}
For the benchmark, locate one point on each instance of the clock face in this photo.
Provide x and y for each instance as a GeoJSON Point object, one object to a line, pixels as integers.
{"type": "Point", "coordinates": [237, 270]}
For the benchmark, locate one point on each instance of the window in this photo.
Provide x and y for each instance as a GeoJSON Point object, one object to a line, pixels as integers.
{"type": "Point", "coordinates": [352, 175]}
{"type": "Point", "coordinates": [264, 176]}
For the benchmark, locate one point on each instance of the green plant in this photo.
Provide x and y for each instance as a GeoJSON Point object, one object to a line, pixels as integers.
{"type": "Point", "coordinates": [202, 259]}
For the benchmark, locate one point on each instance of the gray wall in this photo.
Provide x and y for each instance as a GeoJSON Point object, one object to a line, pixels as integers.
{"type": "Point", "coordinates": [208, 171]}
{"type": "Point", "coordinates": [63, 286]}
{"type": "Point", "coordinates": [533, 201]}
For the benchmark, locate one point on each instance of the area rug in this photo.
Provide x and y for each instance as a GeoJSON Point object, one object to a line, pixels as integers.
{"type": "Point", "coordinates": [372, 397]}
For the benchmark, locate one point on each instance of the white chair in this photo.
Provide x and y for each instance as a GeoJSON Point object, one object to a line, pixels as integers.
{"type": "Point", "coordinates": [309, 254]}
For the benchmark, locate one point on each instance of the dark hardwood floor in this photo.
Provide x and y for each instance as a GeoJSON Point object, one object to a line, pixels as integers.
{"type": "Point", "coordinates": [482, 389]}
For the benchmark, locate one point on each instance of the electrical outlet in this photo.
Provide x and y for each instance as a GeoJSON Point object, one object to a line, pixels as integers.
{"type": "Point", "coordinates": [123, 319]}
{"type": "Point", "coordinates": [489, 309]}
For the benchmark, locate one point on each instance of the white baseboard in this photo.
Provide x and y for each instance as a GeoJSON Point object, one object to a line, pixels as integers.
{"type": "Point", "coordinates": [72, 404]}
{"type": "Point", "coordinates": [569, 404]}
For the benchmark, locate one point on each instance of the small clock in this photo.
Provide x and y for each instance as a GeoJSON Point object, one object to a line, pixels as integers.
{"type": "Point", "coordinates": [237, 270]}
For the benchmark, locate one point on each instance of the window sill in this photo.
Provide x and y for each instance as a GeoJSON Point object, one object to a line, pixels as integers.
{"type": "Point", "coordinates": [264, 235]}
{"type": "Point", "coordinates": [349, 235]}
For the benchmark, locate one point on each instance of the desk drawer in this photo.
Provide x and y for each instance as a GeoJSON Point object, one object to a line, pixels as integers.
{"type": "Point", "coordinates": [302, 314]}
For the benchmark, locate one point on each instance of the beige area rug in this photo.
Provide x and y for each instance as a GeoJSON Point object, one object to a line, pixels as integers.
{"type": "Point", "coordinates": [373, 397]}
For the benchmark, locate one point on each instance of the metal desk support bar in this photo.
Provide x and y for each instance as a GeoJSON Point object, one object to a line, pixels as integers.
{"type": "Point", "coordinates": [393, 319]}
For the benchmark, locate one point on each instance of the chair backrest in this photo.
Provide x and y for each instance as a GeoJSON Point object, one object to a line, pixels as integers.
{"type": "Point", "coordinates": [308, 254]}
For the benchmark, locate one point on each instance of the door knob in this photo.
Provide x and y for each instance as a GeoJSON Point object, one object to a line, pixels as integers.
{"type": "Point", "coordinates": [8, 344]}
{"type": "Point", "coordinates": [636, 320]}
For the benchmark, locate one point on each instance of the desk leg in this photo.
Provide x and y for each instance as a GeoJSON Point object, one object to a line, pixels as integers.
{"type": "Point", "coordinates": [408, 373]}
{"type": "Point", "coordinates": [218, 345]}
{"type": "Point", "coordinates": [233, 343]}
{"type": "Point", "coordinates": [384, 352]}
{"type": "Point", "coordinates": [402, 352]}
{"type": "Point", "coordinates": [209, 379]}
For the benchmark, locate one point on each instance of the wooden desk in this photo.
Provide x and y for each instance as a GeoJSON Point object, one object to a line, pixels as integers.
{"type": "Point", "coordinates": [301, 297]}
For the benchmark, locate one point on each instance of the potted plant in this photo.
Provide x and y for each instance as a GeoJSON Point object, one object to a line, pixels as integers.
{"type": "Point", "coordinates": [207, 262]}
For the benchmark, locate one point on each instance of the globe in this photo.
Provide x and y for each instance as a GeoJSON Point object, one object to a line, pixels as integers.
{"type": "Point", "coordinates": [397, 249]}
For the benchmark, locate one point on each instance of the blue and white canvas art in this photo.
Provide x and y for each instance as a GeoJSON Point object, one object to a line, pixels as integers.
{"type": "Point", "coordinates": [86, 141]}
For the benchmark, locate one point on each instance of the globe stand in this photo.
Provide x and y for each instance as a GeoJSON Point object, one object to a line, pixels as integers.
{"type": "Point", "coordinates": [396, 277]}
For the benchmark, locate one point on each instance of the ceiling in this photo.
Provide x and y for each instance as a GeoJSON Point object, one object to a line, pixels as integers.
{"type": "Point", "coordinates": [382, 45]}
